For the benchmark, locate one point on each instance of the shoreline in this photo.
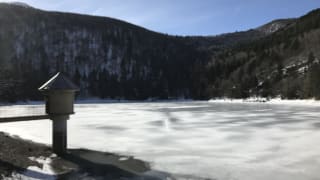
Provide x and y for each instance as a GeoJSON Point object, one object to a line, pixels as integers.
{"type": "Point", "coordinates": [99, 101]}
{"type": "Point", "coordinates": [217, 100]}
{"type": "Point", "coordinates": [274, 101]}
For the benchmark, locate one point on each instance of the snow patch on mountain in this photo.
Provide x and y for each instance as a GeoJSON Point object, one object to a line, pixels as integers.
{"type": "Point", "coordinates": [274, 26]}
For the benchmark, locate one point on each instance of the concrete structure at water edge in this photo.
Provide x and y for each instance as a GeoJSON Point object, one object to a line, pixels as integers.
{"type": "Point", "coordinates": [59, 93]}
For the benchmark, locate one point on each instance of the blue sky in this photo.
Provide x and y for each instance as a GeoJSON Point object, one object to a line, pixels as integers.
{"type": "Point", "coordinates": [186, 17]}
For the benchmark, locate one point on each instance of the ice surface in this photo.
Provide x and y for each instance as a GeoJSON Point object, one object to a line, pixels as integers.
{"type": "Point", "coordinates": [216, 140]}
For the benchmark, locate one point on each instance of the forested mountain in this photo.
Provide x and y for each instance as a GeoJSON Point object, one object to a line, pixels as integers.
{"type": "Point", "coordinates": [109, 58]}
{"type": "Point", "coordinates": [285, 63]}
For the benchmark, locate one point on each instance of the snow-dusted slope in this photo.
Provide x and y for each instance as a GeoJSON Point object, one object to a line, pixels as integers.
{"type": "Point", "coordinates": [274, 26]}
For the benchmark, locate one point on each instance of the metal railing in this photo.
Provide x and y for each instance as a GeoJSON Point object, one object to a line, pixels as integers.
{"type": "Point", "coordinates": [15, 113]}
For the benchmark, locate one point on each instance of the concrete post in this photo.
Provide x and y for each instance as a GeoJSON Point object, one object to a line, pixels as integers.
{"type": "Point", "coordinates": [59, 133]}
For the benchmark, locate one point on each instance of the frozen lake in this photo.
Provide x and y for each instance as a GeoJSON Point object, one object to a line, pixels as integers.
{"type": "Point", "coordinates": [223, 141]}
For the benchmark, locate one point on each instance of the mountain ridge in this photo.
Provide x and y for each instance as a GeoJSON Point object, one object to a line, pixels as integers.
{"type": "Point", "coordinates": [109, 58]}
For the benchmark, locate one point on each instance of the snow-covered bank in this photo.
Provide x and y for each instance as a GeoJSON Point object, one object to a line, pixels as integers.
{"type": "Point", "coordinates": [279, 101]}
{"type": "Point", "coordinates": [99, 101]}
{"type": "Point", "coordinates": [23, 159]}
{"type": "Point", "coordinates": [218, 100]}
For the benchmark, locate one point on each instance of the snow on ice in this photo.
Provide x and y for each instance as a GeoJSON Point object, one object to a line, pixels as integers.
{"type": "Point", "coordinates": [216, 140]}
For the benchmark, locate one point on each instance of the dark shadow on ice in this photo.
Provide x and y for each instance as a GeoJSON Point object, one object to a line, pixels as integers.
{"type": "Point", "coordinates": [115, 167]}
{"type": "Point", "coordinates": [112, 166]}
{"type": "Point", "coordinates": [317, 124]}
{"type": "Point", "coordinates": [106, 164]}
